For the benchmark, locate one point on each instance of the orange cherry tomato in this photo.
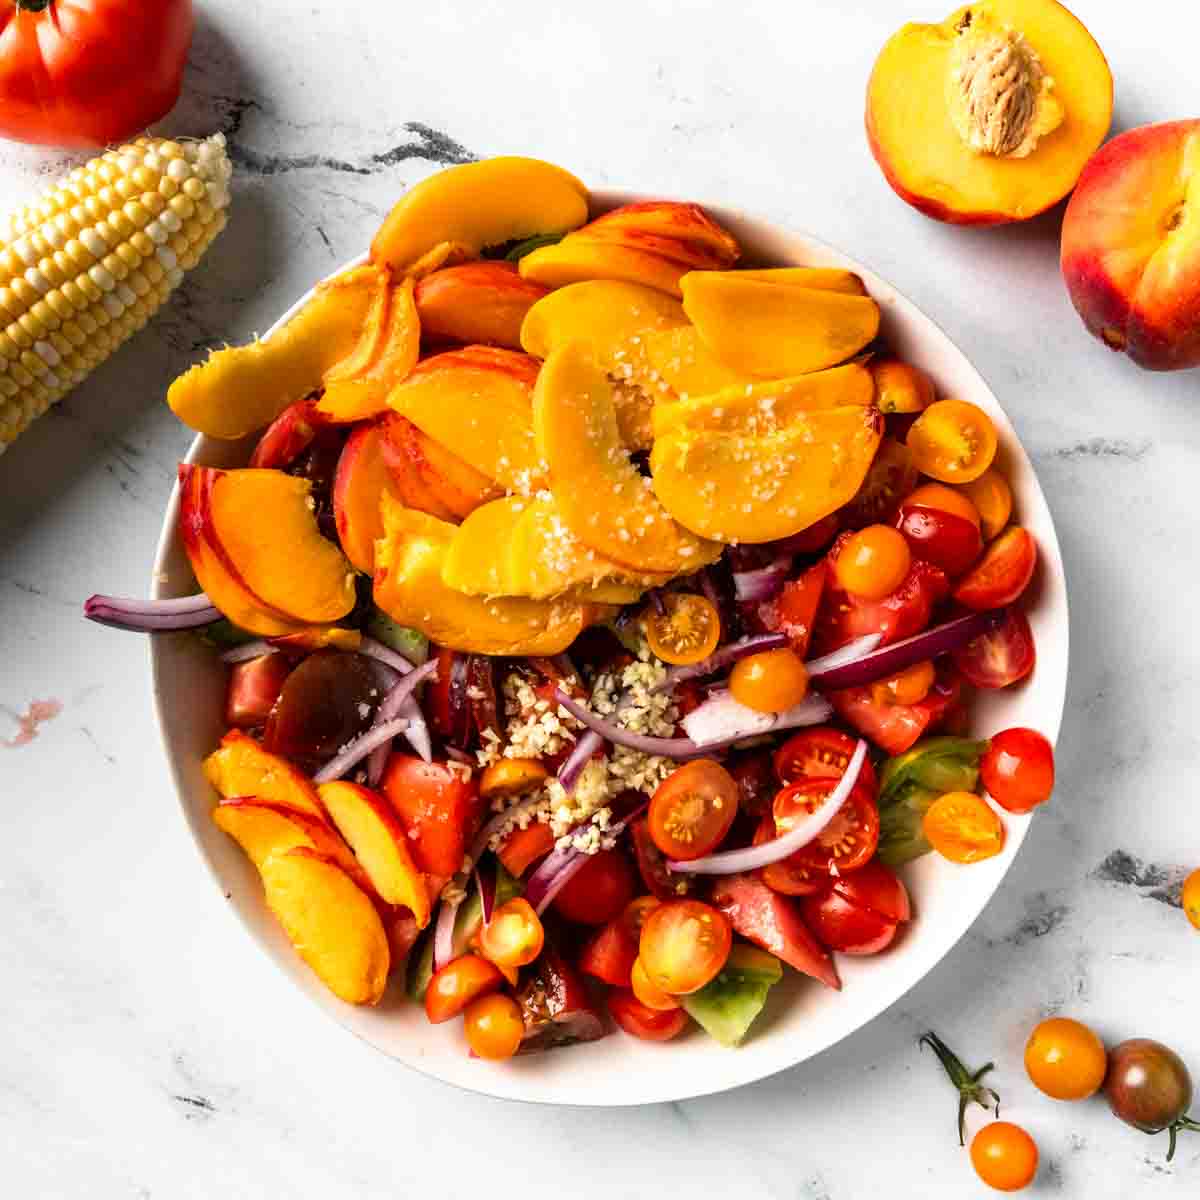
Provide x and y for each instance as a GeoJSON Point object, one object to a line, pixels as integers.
{"type": "Point", "coordinates": [944, 499]}
{"type": "Point", "coordinates": [848, 841]}
{"type": "Point", "coordinates": [1065, 1059]}
{"type": "Point", "coordinates": [685, 632]}
{"type": "Point", "coordinates": [494, 1026]}
{"type": "Point", "coordinates": [1017, 769]}
{"type": "Point", "coordinates": [511, 777]}
{"type": "Point", "coordinates": [1003, 572]}
{"type": "Point", "coordinates": [1004, 1156]}
{"type": "Point", "coordinates": [514, 936]}
{"type": "Point", "coordinates": [890, 478]}
{"type": "Point", "coordinates": [642, 1022]}
{"type": "Point", "coordinates": [1190, 898]}
{"type": "Point", "coordinates": [952, 441]}
{"type": "Point", "coordinates": [684, 944]}
{"type": "Point", "coordinates": [962, 827]}
{"type": "Point", "coordinates": [900, 387]}
{"type": "Point", "coordinates": [772, 681]}
{"type": "Point", "coordinates": [873, 563]}
{"type": "Point", "coordinates": [911, 686]}
{"type": "Point", "coordinates": [647, 991]}
{"type": "Point", "coordinates": [788, 876]}
{"type": "Point", "coordinates": [456, 984]}
{"type": "Point", "coordinates": [692, 809]}
{"type": "Point", "coordinates": [993, 500]}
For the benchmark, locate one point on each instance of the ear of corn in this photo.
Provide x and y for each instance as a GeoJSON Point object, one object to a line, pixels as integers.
{"type": "Point", "coordinates": [88, 264]}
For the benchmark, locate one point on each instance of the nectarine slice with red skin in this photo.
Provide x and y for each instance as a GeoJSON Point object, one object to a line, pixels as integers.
{"type": "Point", "coordinates": [1131, 245]}
{"type": "Point", "coordinates": [576, 259]}
{"type": "Point", "coordinates": [681, 231]}
{"type": "Point", "coordinates": [288, 436]}
{"type": "Point", "coordinates": [479, 302]}
{"type": "Point", "coordinates": [361, 478]}
{"type": "Point", "coordinates": [241, 767]}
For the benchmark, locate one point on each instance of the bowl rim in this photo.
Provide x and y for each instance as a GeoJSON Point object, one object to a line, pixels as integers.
{"type": "Point", "coordinates": [518, 1086]}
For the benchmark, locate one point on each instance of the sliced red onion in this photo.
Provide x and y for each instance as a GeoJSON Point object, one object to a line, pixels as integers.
{"type": "Point", "coordinates": [850, 652]}
{"type": "Point", "coordinates": [399, 702]}
{"type": "Point", "coordinates": [723, 658]}
{"type": "Point", "coordinates": [357, 750]}
{"type": "Point", "coordinates": [247, 651]}
{"type": "Point", "coordinates": [732, 862]}
{"type": "Point", "coordinates": [753, 587]}
{"type": "Point", "coordinates": [611, 731]}
{"type": "Point", "coordinates": [890, 660]}
{"type": "Point", "coordinates": [151, 616]}
{"type": "Point", "coordinates": [384, 654]}
{"type": "Point", "coordinates": [721, 720]}
{"type": "Point", "coordinates": [485, 881]}
{"type": "Point", "coordinates": [443, 934]}
{"type": "Point", "coordinates": [580, 756]}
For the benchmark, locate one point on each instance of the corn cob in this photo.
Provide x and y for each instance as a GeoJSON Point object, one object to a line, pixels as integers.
{"type": "Point", "coordinates": [92, 261]}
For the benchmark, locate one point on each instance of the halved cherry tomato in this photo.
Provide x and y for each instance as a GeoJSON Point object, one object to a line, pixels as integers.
{"type": "Point", "coordinates": [900, 387]}
{"type": "Point", "coordinates": [1002, 574]}
{"type": "Point", "coordinates": [523, 847]}
{"type": "Point", "coordinates": [598, 890]}
{"type": "Point", "coordinates": [684, 944]}
{"type": "Point", "coordinates": [686, 631]}
{"type": "Point", "coordinates": [848, 841]}
{"type": "Point", "coordinates": [652, 864]}
{"type": "Point", "coordinates": [845, 926]}
{"type": "Point", "coordinates": [873, 562]}
{"type": "Point", "coordinates": [494, 1026]}
{"type": "Point", "coordinates": [892, 475]}
{"type": "Point", "coordinates": [820, 753]}
{"type": "Point", "coordinates": [1004, 1156]}
{"type": "Point", "coordinates": [794, 610]}
{"type": "Point", "coordinates": [952, 441]}
{"type": "Point", "coordinates": [896, 727]}
{"type": "Point", "coordinates": [945, 499]}
{"type": "Point", "coordinates": [787, 876]}
{"type": "Point", "coordinates": [962, 827]}
{"type": "Point", "coordinates": [438, 808]}
{"type": "Point", "coordinates": [876, 888]}
{"type": "Point", "coordinates": [647, 991]}
{"type": "Point", "coordinates": [993, 500]}
{"type": "Point", "coordinates": [642, 1022]}
{"type": "Point", "coordinates": [511, 777]}
{"type": "Point", "coordinates": [457, 983]}
{"type": "Point", "coordinates": [1001, 657]}
{"type": "Point", "coordinates": [692, 809]}
{"type": "Point", "coordinates": [1065, 1059]}
{"type": "Point", "coordinates": [941, 538]}
{"type": "Point", "coordinates": [1017, 769]}
{"type": "Point", "coordinates": [910, 686]}
{"type": "Point", "coordinates": [771, 681]}
{"type": "Point", "coordinates": [514, 936]}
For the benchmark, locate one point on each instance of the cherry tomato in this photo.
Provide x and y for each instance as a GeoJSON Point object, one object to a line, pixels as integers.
{"type": "Point", "coordinates": [514, 936]}
{"type": "Point", "coordinates": [794, 611]}
{"type": "Point", "coordinates": [787, 876]}
{"type": "Point", "coordinates": [962, 827]}
{"type": "Point", "coordinates": [610, 952]}
{"type": "Point", "coordinates": [684, 944]}
{"type": "Point", "coordinates": [1017, 769]}
{"type": "Point", "coordinates": [1004, 1156]}
{"type": "Point", "coordinates": [642, 1022]}
{"type": "Point", "coordinates": [1190, 898]}
{"type": "Point", "coordinates": [510, 777]}
{"type": "Point", "coordinates": [890, 478]}
{"type": "Point", "coordinates": [945, 499]}
{"type": "Point", "coordinates": [456, 984]}
{"type": "Point", "coordinates": [993, 500]}
{"type": "Point", "coordinates": [952, 441]}
{"type": "Point", "coordinates": [941, 538]}
{"type": "Point", "coordinates": [845, 926]}
{"type": "Point", "coordinates": [599, 890]}
{"type": "Point", "coordinates": [647, 991]}
{"type": "Point", "coordinates": [1002, 574]}
{"type": "Point", "coordinates": [897, 727]}
{"type": "Point", "coordinates": [523, 847]}
{"type": "Point", "coordinates": [873, 562]}
{"type": "Point", "coordinates": [911, 686]}
{"type": "Point", "coordinates": [848, 841]}
{"type": "Point", "coordinates": [494, 1026]}
{"type": "Point", "coordinates": [772, 681]}
{"type": "Point", "coordinates": [1065, 1059]}
{"type": "Point", "coordinates": [876, 888]}
{"type": "Point", "coordinates": [686, 631]}
{"type": "Point", "coordinates": [692, 809]}
{"type": "Point", "coordinates": [1148, 1087]}
{"type": "Point", "coordinates": [900, 387]}
{"type": "Point", "coordinates": [254, 687]}
{"type": "Point", "coordinates": [755, 779]}
{"type": "Point", "coordinates": [999, 658]}
{"type": "Point", "coordinates": [821, 753]}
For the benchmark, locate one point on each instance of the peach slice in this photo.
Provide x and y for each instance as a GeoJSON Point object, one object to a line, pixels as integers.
{"type": "Point", "coordinates": [241, 767]}
{"type": "Point", "coordinates": [826, 279]}
{"type": "Point", "coordinates": [1131, 245]}
{"type": "Point", "coordinates": [368, 823]}
{"type": "Point", "coordinates": [576, 259]}
{"type": "Point", "coordinates": [444, 254]}
{"type": "Point", "coordinates": [682, 232]}
{"type": "Point", "coordinates": [242, 388]}
{"type": "Point", "coordinates": [331, 921]}
{"type": "Point", "coordinates": [362, 476]}
{"type": "Point", "coordinates": [409, 588]}
{"type": "Point", "coordinates": [990, 116]}
{"type": "Point", "coordinates": [265, 829]}
{"type": "Point", "coordinates": [480, 204]}
{"type": "Point", "coordinates": [759, 488]}
{"type": "Point", "coordinates": [776, 329]}
{"type": "Point", "coordinates": [601, 497]}
{"type": "Point", "coordinates": [288, 436]}
{"type": "Point", "coordinates": [477, 402]}
{"type": "Point", "coordinates": [484, 302]}
{"type": "Point", "coordinates": [477, 559]}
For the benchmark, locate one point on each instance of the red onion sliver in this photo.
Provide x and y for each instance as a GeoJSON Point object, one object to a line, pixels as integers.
{"type": "Point", "coordinates": [399, 702]}
{"type": "Point", "coordinates": [485, 881]}
{"type": "Point", "coordinates": [732, 862]}
{"type": "Point", "coordinates": [151, 616]}
{"type": "Point", "coordinates": [722, 658]}
{"type": "Point", "coordinates": [353, 754]}
{"type": "Point", "coordinates": [721, 720]}
{"type": "Point", "coordinates": [443, 934]}
{"type": "Point", "coordinates": [850, 652]}
{"type": "Point", "coordinates": [384, 654]}
{"type": "Point", "coordinates": [572, 767]}
{"type": "Point", "coordinates": [611, 731]}
{"type": "Point", "coordinates": [247, 651]}
{"type": "Point", "coordinates": [753, 587]}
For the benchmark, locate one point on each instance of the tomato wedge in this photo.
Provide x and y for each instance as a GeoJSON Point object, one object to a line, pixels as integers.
{"type": "Point", "coordinates": [642, 1022]}
{"type": "Point", "coordinates": [897, 727]}
{"type": "Point", "coordinates": [1002, 574]}
{"type": "Point", "coordinates": [846, 927]}
{"type": "Point", "coordinates": [847, 842]}
{"type": "Point", "coordinates": [820, 753]}
{"type": "Point", "coordinates": [794, 611]}
{"type": "Point", "coordinates": [999, 658]}
{"type": "Point", "coordinates": [876, 888]}
{"type": "Point", "coordinates": [438, 808]}
{"type": "Point", "coordinates": [598, 891]}
{"type": "Point", "coordinates": [692, 809]}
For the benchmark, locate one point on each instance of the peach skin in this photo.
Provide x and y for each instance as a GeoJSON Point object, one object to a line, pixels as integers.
{"type": "Point", "coordinates": [361, 478]}
{"type": "Point", "coordinates": [482, 302]}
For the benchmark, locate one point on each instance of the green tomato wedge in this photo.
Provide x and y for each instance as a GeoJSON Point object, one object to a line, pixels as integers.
{"type": "Point", "coordinates": [726, 1007]}
{"type": "Point", "coordinates": [413, 644]}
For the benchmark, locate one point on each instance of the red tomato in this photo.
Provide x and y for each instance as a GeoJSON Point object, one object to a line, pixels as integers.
{"type": "Point", "coordinates": [789, 876]}
{"type": "Point", "coordinates": [599, 890]}
{"type": "Point", "coordinates": [692, 809]}
{"type": "Point", "coordinates": [642, 1022]}
{"type": "Point", "coordinates": [456, 984]}
{"type": "Point", "coordinates": [1004, 572]}
{"type": "Point", "coordinates": [897, 727]}
{"type": "Point", "coordinates": [610, 952]}
{"type": "Point", "coordinates": [684, 944]}
{"type": "Point", "coordinates": [288, 436]}
{"type": "Point", "coordinates": [1001, 657]}
{"type": "Point", "coordinates": [755, 782]}
{"type": "Point", "coordinates": [652, 864]}
{"type": "Point", "coordinates": [90, 72]}
{"type": "Point", "coordinates": [254, 686]}
{"type": "Point", "coordinates": [794, 610]}
{"type": "Point", "coordinates": [1018, 769]}
{"type": "Point", "coordinates": [843, 925]}
{"type": "Point", "coordinates": [523, 847]}
{"type": "Point", "coordinates": [446, 701]}
{"type": "Point", "coordinates": [820, 753]}
{"type": "Point", "coordinates": [876, 888]}
{"type": "Point", "coordinates": [847, 842]}
{"type": "Point", "coordinates": [437, 807]}
{"type": "Point", "coordinates": [944, 539]}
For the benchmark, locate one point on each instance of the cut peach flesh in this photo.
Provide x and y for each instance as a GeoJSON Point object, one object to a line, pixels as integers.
{"type": "Point", "coordinates": [362, 477]}
{"type": "Point", "coordinates": [828, 279]}
{"type": "Point", "coordinates": [575, 259]}
{"type": "Point", "coordinates": [477, 302]}
{"type": "Point", "coordinates": [241, 767]}
{"type": "Point", "coordinates": [477, 558]}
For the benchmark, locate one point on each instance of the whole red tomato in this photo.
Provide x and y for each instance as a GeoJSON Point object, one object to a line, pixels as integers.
{"type": "Point", "coordinates": [89, 72]}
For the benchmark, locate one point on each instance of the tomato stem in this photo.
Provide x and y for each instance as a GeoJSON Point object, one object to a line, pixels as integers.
{"type": "Point", "coordinates": [1185, 1123]}
{"type": "Point", "coordinates": [970, 1089]}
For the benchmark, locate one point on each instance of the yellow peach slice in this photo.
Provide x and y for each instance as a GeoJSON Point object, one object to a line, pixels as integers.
{"type": "Point", "coordinates": [576, 259]}
{"type": "Point", "coordinates": [480, 204]}
{"type": "Point", "coordinates": [478, 555]}
{"type": "Point", "coordinates": [774, 329]}
{"type": "Point", "coordinates": [444, 254]}
{"type": "Point", "coordinates": [760, 488]}
{"type": "Point", "coordinates": [241, 767]}
{"type": "Point", "coordinates": [826, 279]}
{"type": "Point", "coordinates": [361, 478]}
{"type": "Point", "coordinates": [242, 388]}
{"type": "Point", "coordinates": [599, 493]}
{"type": "Point", "coordinates": [331, 921]}
{"type": "Point", "coordinates": [480, 302]}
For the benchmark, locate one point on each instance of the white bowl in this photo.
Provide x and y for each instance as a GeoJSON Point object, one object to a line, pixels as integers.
{"type": "Point", "coordinates": [803, 1018]}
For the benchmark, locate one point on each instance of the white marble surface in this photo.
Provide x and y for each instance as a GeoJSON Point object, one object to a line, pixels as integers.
{"type": "Point", "coordinates": [147, 1050]}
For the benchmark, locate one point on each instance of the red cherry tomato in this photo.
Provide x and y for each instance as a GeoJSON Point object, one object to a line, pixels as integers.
{"type": "Point", "coordinates": [843, 925]}
{"type": "Point", "coordinates": [876, 888]}
{"type": "Point", "coordinates": [692, 809]}
{"type": "Point", "coordinates": [642, 1022]}
{"type": "Point", "coordinates": [1001, 657]}
{"type": "Point", "coordinates": [820, 753]}
{"type": "Point", "coordinates": [944, 539]}
{"type": "Point", "coordinates": [456, 984]}
{"type": "Point", "coordinates": [599, 890]}
{"type": "Point", "coordinates": [847, 842]}
{"type": "Point", "coordinates": [897, 727]}
{"type": "Point", "coordinates": [788, 876]}
{"type": "Point", "coordinates": [1002, 574]}
{"type": "Point", "coordinates": [1018, 769]}
{"type": "Point", "coordinates": [610, 953]}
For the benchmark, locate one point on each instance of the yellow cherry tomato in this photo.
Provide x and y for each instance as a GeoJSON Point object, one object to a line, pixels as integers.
{"type": "Point", "coordinates": [648, 992]}
{"type": "Point", "coordinates": [772, 681]}
{"type": "Point", "coordinates": [1191, 898]}
{"type": "Point", "coordinates": [900, 387]}
{"type": "Point", "coordinates": [873, 562]}
{"type": "Point", "coordinates": [514, 936]}
{"type": "Point", "coordinates": [1004, 1156]}
{"type": "Point", "coordinates": [911, 686]}
{"type": "Point", "coordinates": [993, 500]}
{"type": "Point", "coordinates": [686, 631]}
{"type": "Point", "coordinates": [952, 441]}
{"type": "Point", "coordinates": [511, 777]}
{"type": "Point", "coordinates": [1065, 1059]}
{"type": "Point", "coordinates": [944, 499]}
{"type": "Point", "coordinates": [962, 827]}
{"type": "Point", "coordinates": [494, 1026]}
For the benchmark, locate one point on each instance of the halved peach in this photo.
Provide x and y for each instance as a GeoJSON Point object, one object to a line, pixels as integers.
{"type": "Point", "coordinates": [362, 476]}
{"type": "Point", "coordinates": [576, 259]}
{"type": "Point", "coordinates": [480, 204]}
{"type": "Point", "coordinates": [331, 921]}
{"type": "Point", "coordinates": [776, 329]}
{"type": "Point", "coordinates": [679, 231]}
{"type": "Point", "coordinates": [241, 767]}
{"type": "Point", "coordinates": [602, 498]}
{"type": "Point", "coordinates": [482, 302]}
{"type": "Point", "coordinates": [369, 824]}
{"type": "Point", "coordinates": [242, 388]}
{"type": "Point", "coordinates": [990, 116]}
{"type": "Point", "coordinates": [828, 279]}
